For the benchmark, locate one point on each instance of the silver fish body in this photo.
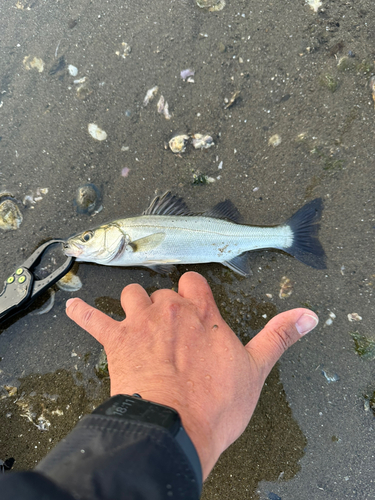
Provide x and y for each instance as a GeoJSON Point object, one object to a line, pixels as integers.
{"type": "Point", "coordinates": [168, 234]}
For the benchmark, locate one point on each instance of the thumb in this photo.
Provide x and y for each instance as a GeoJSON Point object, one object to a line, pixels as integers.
{"type": "Point", "coordinates": [90, 319]}
{"type": "Point", "coordinates": [280, 333]}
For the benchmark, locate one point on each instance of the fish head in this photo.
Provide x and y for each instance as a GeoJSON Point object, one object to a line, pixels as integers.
{"type": "Point", "coordinates": [101, 245]}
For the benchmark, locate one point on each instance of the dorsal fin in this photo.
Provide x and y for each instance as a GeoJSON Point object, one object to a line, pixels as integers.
{"type": "Point", "coordinates": [167, 204]}
{"type": "Point", "coordinates": [224, 210]}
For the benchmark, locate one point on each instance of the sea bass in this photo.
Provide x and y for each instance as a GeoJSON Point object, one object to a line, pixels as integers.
{"type": "Point", "coordinates": [168, 233]}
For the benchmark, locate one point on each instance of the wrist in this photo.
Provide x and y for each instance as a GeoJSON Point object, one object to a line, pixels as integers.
{"type": "Point", "coordinates": [196, 425]}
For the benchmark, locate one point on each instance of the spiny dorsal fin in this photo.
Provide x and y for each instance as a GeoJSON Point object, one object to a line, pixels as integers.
{"type": "Point", "coordinates": [224, 210]}
{"type": "Point", "coordinates": [167, 204]}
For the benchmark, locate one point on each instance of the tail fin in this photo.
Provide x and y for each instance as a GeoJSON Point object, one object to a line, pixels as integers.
{"type": "Point", "coordinates": [306, 247]}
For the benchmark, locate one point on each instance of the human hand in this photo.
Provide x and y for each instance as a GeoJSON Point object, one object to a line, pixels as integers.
{"type": "Point", "coordinates": [175, 349]}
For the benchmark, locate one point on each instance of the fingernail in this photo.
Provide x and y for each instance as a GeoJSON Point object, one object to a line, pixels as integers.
{"type": "Point", "coordinates": [69, 301]}
{"type": "Point", "coordinates": [306, 323]}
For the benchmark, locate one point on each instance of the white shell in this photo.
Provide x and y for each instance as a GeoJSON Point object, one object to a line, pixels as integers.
{"type": "Point", "coordinates": [96, 132]}
{"type": "Point", "coordinates": [73, 71]}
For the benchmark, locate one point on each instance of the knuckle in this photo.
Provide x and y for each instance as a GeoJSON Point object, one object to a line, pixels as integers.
{"type": "Point", "coordinates": [88, 316]}
{"type": "Point", "coordinates": [283, 337]}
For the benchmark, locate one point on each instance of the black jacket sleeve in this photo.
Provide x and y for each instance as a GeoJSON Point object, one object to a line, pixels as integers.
{"type": "Point", "coordinates": [104, 458]}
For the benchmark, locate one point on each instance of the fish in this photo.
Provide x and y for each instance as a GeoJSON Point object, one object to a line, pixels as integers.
{"type": "Point", "coordinates": [168, 234]}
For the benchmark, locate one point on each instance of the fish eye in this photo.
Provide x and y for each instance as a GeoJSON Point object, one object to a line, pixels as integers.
{"type": "Point", "coordinates": [87, 235]}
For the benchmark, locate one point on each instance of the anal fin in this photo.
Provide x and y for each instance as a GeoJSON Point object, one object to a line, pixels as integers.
{"type": "Point", "coordinates": [239, 264]}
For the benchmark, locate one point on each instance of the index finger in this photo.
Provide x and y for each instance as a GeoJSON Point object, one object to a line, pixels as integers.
{"type": "Point", "coordinates": [90, 319]}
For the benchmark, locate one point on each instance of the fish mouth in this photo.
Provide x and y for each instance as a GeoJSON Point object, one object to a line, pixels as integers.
{"type": "Point", "coordinates": [72, 251]}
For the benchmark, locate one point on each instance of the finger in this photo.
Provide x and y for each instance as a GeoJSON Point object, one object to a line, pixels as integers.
{"type": "Point", "coordinates": [194, 287]}
{"type": "Point", "coordinates": [163, 295]}
{"type": "Point", "coordinates": [90, 319]}
{"type": "Point", "coordinates": [278, 335]}
{"type": "Point", "coordinates": [134, 298]}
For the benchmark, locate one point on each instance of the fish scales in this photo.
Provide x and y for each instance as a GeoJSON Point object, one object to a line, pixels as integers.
{"type": "Point", "coordinates": [193, 240]}
{"type": "Point", "coordinates": [168, 233]}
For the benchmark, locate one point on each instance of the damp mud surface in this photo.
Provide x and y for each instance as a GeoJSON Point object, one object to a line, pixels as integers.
{"type": "Point", "coordinates": [286, 92]}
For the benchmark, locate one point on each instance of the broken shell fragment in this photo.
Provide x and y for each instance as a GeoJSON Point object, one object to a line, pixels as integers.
{"type": "Point", "coordinates": [178, 143]}
{"type": "Point", "coordinates": [286, 288]}
{"type": "Point", "coordinates": [211, 5]}
{"type": "Point", "coordinates": [96, 132]}
{"type": "Point", "coordinates": [88, 199]}
{"type": "Point", "coordinates": [126, 49]}
{"type": "Point", "coordinates": [372, 87]}
{"type": "Point", "coordinates": [10, 215]}
{"type": "Point", "coordinates": [201, 141]}
{"type": "Point", "coordinates": [274, 141]}
{"type": "Point", "coordinates": [354, 317]}
{"type": "Point", "coordinates": [163, 108]}
{"type": "Point", "coordinates": [70, 282]}
{"type": "Point", "coordinates": [314, 4]}
{"type": "Point", "coordinates": [232, 100]}
{"type": "Point", "coordinates": [151, 93]}
{"type": "Point", "coordinates": [72, 70]}
{"type": "Point", "coordinates": [186, 73]}
{"type": "Point", "coordinates": [34, 63]}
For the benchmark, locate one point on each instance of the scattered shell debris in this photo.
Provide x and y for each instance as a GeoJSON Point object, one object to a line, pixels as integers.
{"type": "Point", "coordinates": [125, 148]}
{"type": "Point", "coordinates": [372, 87]}
{"type": "Point", "coordinates": [125, 50]}
{"type": "Point", "coordinates": [151, 93]}
{"type": "Point", "coordinates": [274, 141]}
{"type": "Point", "coordinates": [96, 132]}
{"type": "Point", "coordinates": [201, 141]}
{"type": "Point", "coordinates": [72, 70]}
{"type": "Point", "coordinates": [269, 295]}
{"type": "Point", "coordinates": [220, 166]}
{"type": "Point", "coordinates": [187, 75]}
{"type": "Point", "coordinates": [201, 179]}
{"type": "Point", "coordinates": [34, 63]}
{"type": "Point", "coordinates": [229, 102]}
{"type": "Point", "coordinates": [163, 108]}
{"type": "Point", "coordinates": [330, 319]}
{"type": "Point", "coordinates": [314, 4]}
{"type": "Point", "coordinates": [10, 215]}
{"type": "Point", "coordinates": [211, 5]}
{"type": "Point", "coordinates": [286, 288]}
{"type": "Point", "coordinates": [125, 172]}
{"type": "Point", "coordinates": [83, 89]}
{"type": "Point", "coordinates": [178, 143]}
{"type": "Point", "coordinates": [330, 377]}
{"type": "Point", "coordinates": [88, 199]}
{"type": "Point", "coordinates": [70, 282]}
{"type": "Point", "coordinates": [30, 199]}
{"type": "Point", "coordinates": [11, 390]}
{"type": "Point", "coordinates": [354, 317]}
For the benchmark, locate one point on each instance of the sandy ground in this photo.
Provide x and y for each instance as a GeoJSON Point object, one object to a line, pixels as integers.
{"type": "Point", "coordinates": [301, 74]}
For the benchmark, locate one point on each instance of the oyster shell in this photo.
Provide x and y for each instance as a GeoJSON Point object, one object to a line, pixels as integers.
{"type": "Point", "coordinates": [88, 199]}
{"type": "Point", "coordinates": [211, 5]}
{"type": "Point", "coordinates": [178, 143]}
{"type": "Point", "coordinates": [10, 215]}
{"type": "Point", "coordinates": [201, 141]}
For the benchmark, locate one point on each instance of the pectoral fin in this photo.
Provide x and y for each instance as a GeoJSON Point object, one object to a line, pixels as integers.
{"type": "Point", "coordinates": [148, 242]}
